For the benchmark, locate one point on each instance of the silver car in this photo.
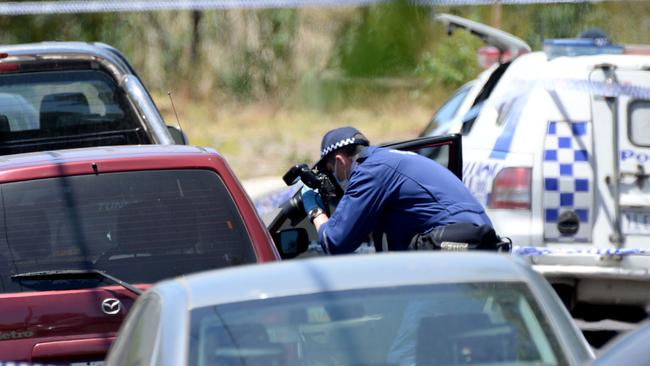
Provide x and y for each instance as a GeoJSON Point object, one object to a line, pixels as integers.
{"type": "Point", "coordinates": [629, 349]}
{"type": "Point", "coordinates": [385, 309]}
{"type": "Point", "coordinates": [62, 95]}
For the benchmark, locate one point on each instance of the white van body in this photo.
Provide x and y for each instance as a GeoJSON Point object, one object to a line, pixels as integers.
{"type": "Point", "coordinates": [558, 151]}
{"type": "Point", "coordinates": [578, 130]}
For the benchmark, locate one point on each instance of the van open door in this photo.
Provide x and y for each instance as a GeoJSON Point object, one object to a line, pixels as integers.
{"type": "Point", "coordinates": [447, 150]}
{"type": "Point", "coordinates": [468, 108]}
{"type": "Point", "coordinates": [507, 44]}
{"type": "Point", "coordinates": [623, 174]}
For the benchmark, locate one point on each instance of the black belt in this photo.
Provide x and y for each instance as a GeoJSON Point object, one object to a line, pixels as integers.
{"type": "Point", "coordinates": [461, 237]}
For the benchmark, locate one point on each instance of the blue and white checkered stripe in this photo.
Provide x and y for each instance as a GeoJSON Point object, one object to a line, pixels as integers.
{"type": "Point", "coordinates": [337, 145]}
{"type": "Point", "coordinates": [567, 178]}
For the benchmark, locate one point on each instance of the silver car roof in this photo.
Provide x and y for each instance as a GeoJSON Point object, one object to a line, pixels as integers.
{"type": "Point", "coordinates": [107, 55]}
{"type": "Point", "coordinates": [350, 272]}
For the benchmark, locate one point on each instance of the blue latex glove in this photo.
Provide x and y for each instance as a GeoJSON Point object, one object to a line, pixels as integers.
{"type": "Point", "coordinates": [311, 199]}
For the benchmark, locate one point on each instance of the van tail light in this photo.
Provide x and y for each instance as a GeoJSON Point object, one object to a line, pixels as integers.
{"type": "Point", "coordinates": [9, 67]}
{"type": "Point", "coordinates": [488, 56]}
{"type": "Point", "coordinates": [512, 189]}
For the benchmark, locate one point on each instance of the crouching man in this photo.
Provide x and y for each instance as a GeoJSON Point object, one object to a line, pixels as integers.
{"type": "Point", "coordinates": [411, 199]}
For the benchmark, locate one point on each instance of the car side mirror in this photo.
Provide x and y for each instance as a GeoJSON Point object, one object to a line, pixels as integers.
{"type": "Point", "coordinates": [179, 137]}
{"type": "Point", "coordinates": [291, 242]}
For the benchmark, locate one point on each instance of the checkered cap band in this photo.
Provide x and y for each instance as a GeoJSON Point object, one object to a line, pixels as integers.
{"type": "Point", "coordinates": [336, 145]}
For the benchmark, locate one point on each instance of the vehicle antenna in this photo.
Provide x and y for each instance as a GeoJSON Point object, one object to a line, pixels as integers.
{"type": "Point", "coordinates": [169, 93]}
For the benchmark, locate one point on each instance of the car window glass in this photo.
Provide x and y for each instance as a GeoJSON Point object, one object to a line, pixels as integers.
{"type": "Point", "coordinates": [483, 95]}
{"type": "Point", "coordinates": [537, 333]}
{"type": "Point", "coordinates": [450, 324]}
{"type": "Point", "coordinates": [64, 103]}
{"type": "Point", "coordinates": [141, 335]}
{"type": "Point", "coordinates": [640, 123]}
{"type": "Point", "coordinates": [448, 110]}
{"type": "Point", "coordinates": [139, 226]}
{"type": "Point", "coordinates": [439, 154]}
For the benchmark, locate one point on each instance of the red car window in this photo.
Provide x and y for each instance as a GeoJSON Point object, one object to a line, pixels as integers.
{"type": "Point", "coordinates": [140, 226]}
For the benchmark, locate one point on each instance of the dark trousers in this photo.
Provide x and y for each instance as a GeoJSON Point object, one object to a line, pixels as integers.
{"type": "Point", "coordinates": [460, 237]}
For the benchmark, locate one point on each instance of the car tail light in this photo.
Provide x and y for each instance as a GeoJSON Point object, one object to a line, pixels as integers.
{"type": "Point", "coordinates": [511, 189]}
{"type": "Point", "coordinates": [487, 56]}
{"type": "Point", "coordinates": [9, 67]}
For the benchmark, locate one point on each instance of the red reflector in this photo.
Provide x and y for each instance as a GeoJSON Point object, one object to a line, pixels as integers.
{"type": "Point", "coordinates": [511, 189]}
{"type": "Point", "coordinates": [9, 67]}
{"type": "Point", "coordinates": [4, 55]}
{"type": "Point", "coordinates": [487, 56]}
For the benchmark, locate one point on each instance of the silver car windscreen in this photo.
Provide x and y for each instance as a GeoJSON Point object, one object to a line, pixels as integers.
{"type": "Point", "coordinates": [446, 324]}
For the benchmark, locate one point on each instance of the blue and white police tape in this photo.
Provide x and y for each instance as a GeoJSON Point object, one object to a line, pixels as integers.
{"type": "Point", "coordinates": [547, 251]}
{"type": "Point", "coordinates": [491, 2]}
{"type": "Point", "coordinates": [521, 88]}
{"type": "Point", "coordinates": [90, 6]}
{"type": "Point", "coordinates": [117, 6]}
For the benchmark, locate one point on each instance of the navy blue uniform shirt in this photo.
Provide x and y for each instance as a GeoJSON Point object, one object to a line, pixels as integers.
{"type": "Point", "coordinates": [401, 194]}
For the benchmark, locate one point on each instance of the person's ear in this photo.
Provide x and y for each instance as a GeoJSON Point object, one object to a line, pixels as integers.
{"type": "Point", "coordinates": [346, 164]}
{"type": "Point", "coordinates": [338, 162]}
{"type": "Point", "coordinates": [340, 159]}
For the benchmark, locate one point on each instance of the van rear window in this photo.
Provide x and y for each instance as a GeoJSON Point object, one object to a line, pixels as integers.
{"type": "Point", "coordinates": [141, 227]}
{"type": "Point", "coordinates": [639, 127]}
{"type": "Point", "coordinates": [39, 108]}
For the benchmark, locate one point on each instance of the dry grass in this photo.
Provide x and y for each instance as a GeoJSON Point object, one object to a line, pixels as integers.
{"type": "Point", "coordinates": [263, 139]}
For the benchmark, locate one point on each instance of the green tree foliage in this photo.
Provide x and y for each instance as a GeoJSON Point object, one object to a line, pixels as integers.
{"type": "Point", "coordinates": [94, 27]}
{"type": "Point", "coordinates": [271, 53]}
{"type": "Point", "coordinates": [254, 51]}
{"type": "Point", "coordinates": [384, 39]}
{"type": "Point", "coordinates": [558, 21]}
{"type": "Point", "coordinates": [452, 63]}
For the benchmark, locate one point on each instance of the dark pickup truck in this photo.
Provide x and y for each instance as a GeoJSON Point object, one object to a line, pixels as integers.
{"type": "Point", "coordinates": [86, 230]}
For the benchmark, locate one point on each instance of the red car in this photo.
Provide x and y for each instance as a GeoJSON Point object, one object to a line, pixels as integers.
{"type": "Point", "coordinates": [86, 230]}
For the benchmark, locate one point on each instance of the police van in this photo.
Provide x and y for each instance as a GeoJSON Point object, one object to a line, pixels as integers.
{"type": "Point", "coordinates": [557, 148]}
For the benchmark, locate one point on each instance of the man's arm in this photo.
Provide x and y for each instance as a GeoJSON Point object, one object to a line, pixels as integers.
{"type": "Point", "coordinates": [356, 214]}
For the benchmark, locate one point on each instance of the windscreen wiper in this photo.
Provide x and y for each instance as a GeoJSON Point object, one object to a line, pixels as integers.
{"type": "Point", "coordinates": [74, 273]}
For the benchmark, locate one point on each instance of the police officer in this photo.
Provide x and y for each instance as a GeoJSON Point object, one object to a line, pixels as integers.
{"type": "Point", "coordinates": [387, 191]}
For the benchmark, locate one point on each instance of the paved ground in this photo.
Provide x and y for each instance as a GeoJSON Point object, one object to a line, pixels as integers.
{"type": "Point", "coordinates": [261, 186]}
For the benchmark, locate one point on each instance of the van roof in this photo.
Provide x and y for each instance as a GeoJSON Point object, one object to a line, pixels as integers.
{"type": "Point", "coordinates": [535, 66]}
{"type": "Point", "coordinates": [628, 61]}
{"type": "Point", "coordinates": [584, 62]}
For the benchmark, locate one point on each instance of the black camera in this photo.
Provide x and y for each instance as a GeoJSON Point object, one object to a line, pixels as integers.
{"type": "Point", "coordinates": [324, 182]}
